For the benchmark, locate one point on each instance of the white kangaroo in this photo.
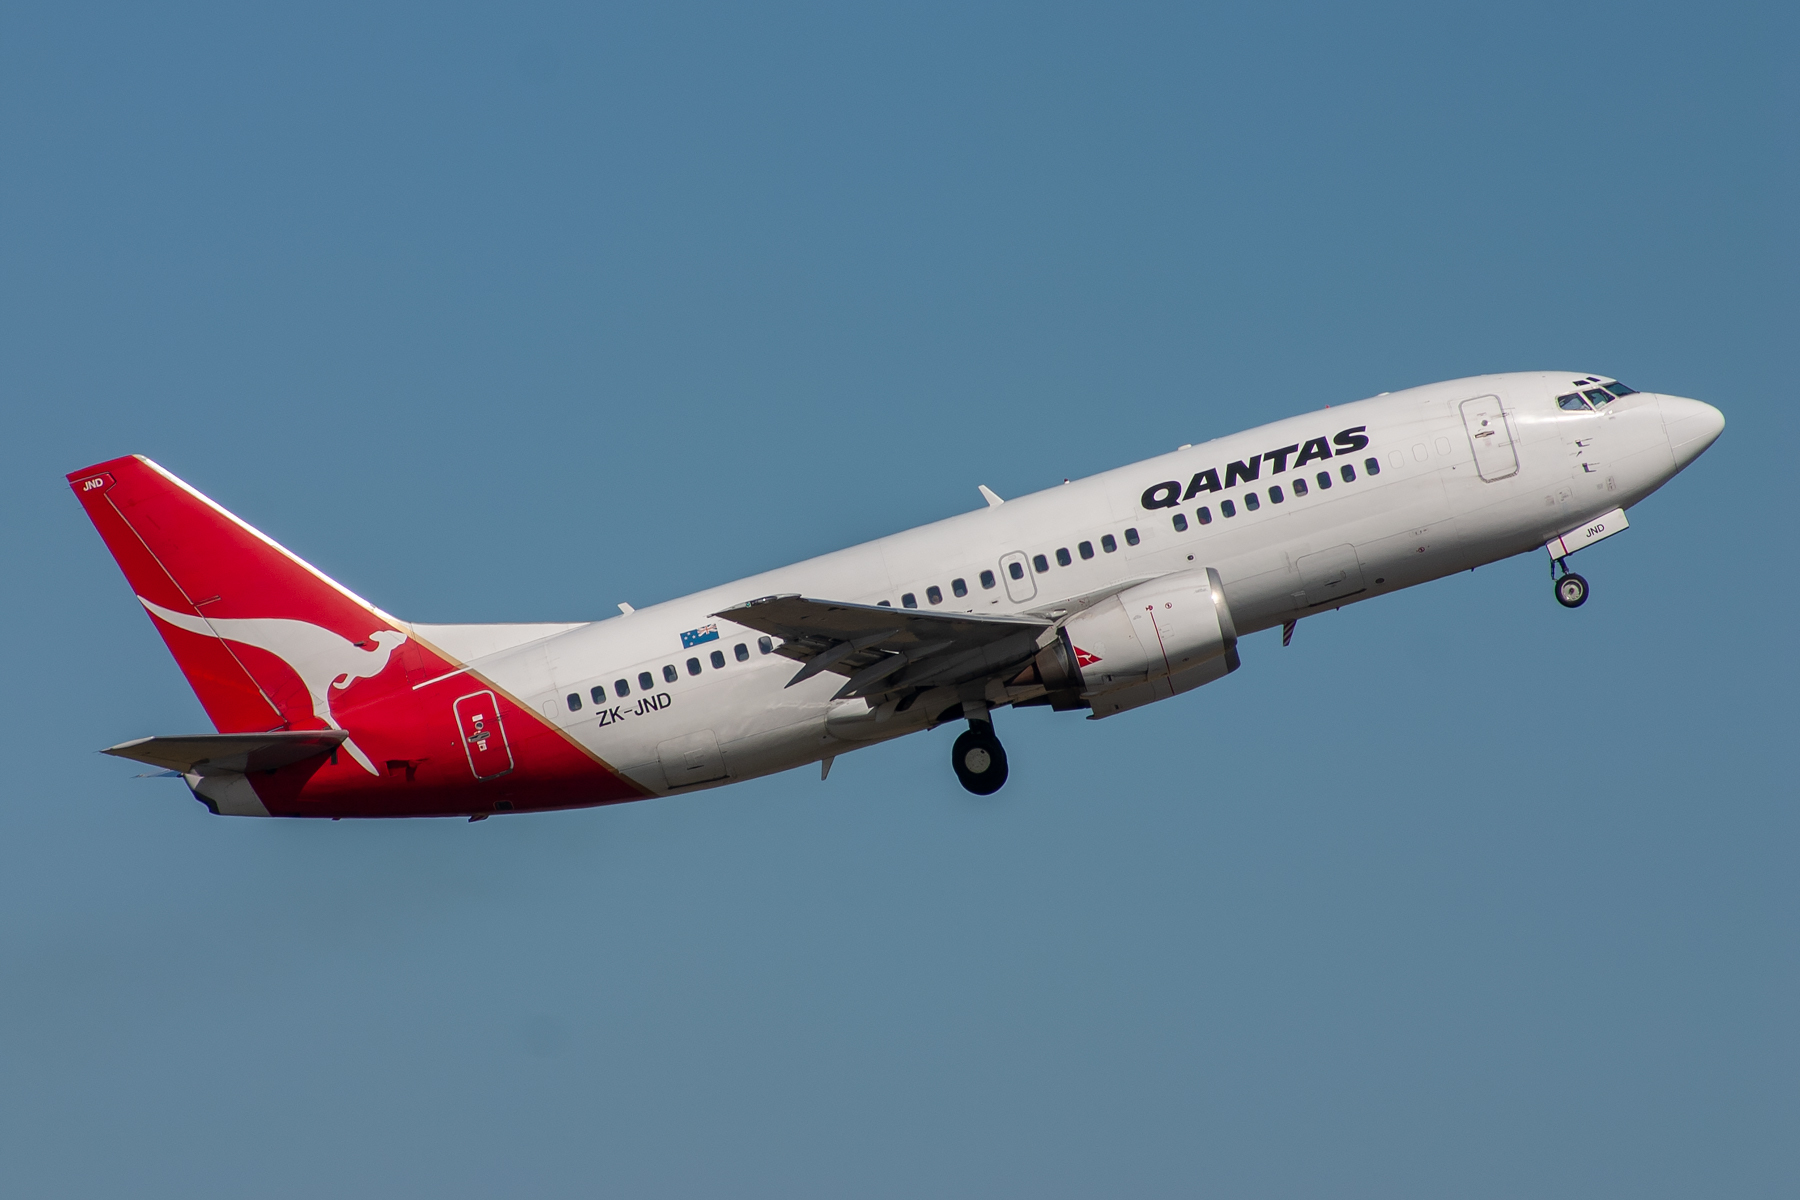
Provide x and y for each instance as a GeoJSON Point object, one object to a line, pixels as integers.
{"type": "Point", "coordinates": [321, 658]}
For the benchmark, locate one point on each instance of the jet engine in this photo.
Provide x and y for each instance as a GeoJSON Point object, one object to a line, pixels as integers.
{"type": "Point", "coordinates": [1147, 643]}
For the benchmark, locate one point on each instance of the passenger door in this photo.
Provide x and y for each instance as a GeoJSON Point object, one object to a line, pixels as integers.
{"type": "Point", "coordinates": [483, 736]}
{"type": "Point", "coordinates": [1485, 419]}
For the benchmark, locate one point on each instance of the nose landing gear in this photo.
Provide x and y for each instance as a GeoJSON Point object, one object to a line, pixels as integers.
{"type": "Point", "coordinates": [1571, 589]}
{"type": "Point", "coordinates": [978, 758]}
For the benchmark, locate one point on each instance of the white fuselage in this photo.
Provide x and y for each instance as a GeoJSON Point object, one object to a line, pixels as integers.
{"type": "Point", "coordinates": [1428, 512]}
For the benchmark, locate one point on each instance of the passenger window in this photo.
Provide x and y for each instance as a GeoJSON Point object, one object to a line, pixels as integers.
{"type": "Point", "coordinates": [1041, 564]}
{"type": "Point", "coordinates": [1086, 549]}
{"type": "Point", "coordinates": [741, 652]}
{"type": "Point", "coordinates": [1299, 486]}
{"type": "Point", "coordinates": [1016, 570]}
{"type": "Point", "coordinates": [934, 595]}
{"type": "Point", "coordinates": [693, 666]}
{"type": "Point", "coordinates": [1252, 501]}
{"type": "Point", "coordinates": [1131, 537]}
{"type": "Point", "coordinates": [1372, 465]}
{"type": "Point", "coordinates": [885, 604]}
{"type": "Point", "coordinates": [1275, 496]}
{"type": "Point", "coordinates": [987, 580]}
{"type": "Point", "coordinates": [718, 659]}
{"type": "Point", "coordinates": [646, 681]}
{"type": "Point", "coordinates": [668, 672]}
{"type": "Point", "coordinates": [1228, 508]}
{"type": "Point", "coordinates": [1324, 478]}
{"type": "Point", "coordinates": [909, 601]}
{"type": "Point", "coordinates": [1205, 515]}
{"type": "Point", "coordinates": [1062, 557]}
{"type": "Point", "coordinates": [1348, 472]}
{"type": "Point", "coordinates": [1107, 543]}
{"type": "Point", "coordinates": [959, 587]}
{"type": "Point", "coordinates": [1180, 522]}
{"type": "Point", "coordinates": [765, 645]}
{"type": "Point", "coordinates": [1573, 402]}
{"type": "Point", "coordinates": [622, 688]}
{"type": "Point", "coordinates": [598, 693]}
{"type": "Point", "coordinates": [575, 701]}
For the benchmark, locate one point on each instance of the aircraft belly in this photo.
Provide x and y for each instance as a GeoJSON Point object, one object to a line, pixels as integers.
{"type": "Point", "coordinates": [1413, 556]}
{"type": "Point", "coordinates": [1335, 557]}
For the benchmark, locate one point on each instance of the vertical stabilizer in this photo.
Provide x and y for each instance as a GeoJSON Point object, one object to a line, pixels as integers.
{"type": "Point", "coordinates": [266, 640]}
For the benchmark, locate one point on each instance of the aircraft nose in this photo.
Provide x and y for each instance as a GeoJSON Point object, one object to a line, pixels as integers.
{"type": "Point", "coordinates": [1692, 426]}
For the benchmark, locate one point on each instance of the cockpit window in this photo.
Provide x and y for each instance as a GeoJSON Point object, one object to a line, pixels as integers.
{"type": "Point", "coordinates": [1598, 397]}
{"type": "Point", "coordinates": [1573, 402]}
{"type": "Point", "coordinates": [1619, 389]}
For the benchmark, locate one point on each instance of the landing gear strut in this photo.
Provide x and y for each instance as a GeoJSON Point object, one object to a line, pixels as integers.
{"type": "Point", "coordinates": [1571, 589]}
{"type": "Point", "coordinates": [978, 758]}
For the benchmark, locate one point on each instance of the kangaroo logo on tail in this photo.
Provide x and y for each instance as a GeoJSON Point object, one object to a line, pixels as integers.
{"type": "Point", "coordinates": [323, 660]}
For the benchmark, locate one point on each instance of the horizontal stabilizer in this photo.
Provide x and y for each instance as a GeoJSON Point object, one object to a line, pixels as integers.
{"type": "Point", "coordinates": [219, 753]}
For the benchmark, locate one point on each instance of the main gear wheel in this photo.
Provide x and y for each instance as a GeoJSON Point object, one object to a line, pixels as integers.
{"type": "Point", "coordinates": [979, 760]}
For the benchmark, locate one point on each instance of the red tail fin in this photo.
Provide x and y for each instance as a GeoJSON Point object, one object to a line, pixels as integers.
{"type": "Point", "coordinates": [263, 638]}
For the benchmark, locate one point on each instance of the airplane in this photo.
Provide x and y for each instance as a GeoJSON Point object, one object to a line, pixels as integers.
{"type": "Point", "coordinates": [1099, 596]}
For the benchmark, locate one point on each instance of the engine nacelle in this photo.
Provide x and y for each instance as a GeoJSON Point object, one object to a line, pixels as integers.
{"type": "Point", "coordinates": [1148, 643]}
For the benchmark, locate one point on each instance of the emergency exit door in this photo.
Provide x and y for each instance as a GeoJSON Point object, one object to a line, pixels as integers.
{"type": "Point", "coordinates": [1021, 585]}
{"type": "Point", "coordinates": [1485, 419]}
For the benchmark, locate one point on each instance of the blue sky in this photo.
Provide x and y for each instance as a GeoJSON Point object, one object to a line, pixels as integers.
{"type": "Point", "coordinates": [512, 313]}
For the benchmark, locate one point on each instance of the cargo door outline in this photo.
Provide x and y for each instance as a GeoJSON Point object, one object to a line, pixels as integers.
{"type": "Point", "coordinates": [478, 724]}
{"type": "Point", "coordinates": [691, 758]}
{"type": "Point", "coordinates": [1496, 458]}
{"type": "Point", "coordinates": [1330, 576]}
{"type": "Point", "coordinates": [1025, 586]}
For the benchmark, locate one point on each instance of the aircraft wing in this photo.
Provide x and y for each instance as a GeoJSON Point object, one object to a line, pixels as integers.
{"type": "Point", "coordinates": [217, 753]}
{"type": "Point", "coordinates": [887, 649]}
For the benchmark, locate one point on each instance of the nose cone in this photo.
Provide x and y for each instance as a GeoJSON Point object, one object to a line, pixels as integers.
{"type": "Point", "coordinates": [1692, 426]}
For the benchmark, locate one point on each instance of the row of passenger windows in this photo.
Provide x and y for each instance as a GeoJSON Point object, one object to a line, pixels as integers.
{"type": "Point", "coordinates": [1253, 501]}
{"type": "Point", "coordinates": [960, 587]}
{"type": "Point", "coordinates": [1040, 563]}
{"type": "Point", "coordinates": [1203, 514]}
{"type": "Point", "coordinates": [647, 682]}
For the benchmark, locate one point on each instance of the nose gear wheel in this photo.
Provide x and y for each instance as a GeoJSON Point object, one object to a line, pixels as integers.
{"type": "Point", "coordinates": [1571, 591]}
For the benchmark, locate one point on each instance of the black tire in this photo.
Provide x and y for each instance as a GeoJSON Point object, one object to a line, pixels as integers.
{"type": "Point", "coordinates": [1571, 591]}
{"type": "Point", "coordinates": [979, 761]}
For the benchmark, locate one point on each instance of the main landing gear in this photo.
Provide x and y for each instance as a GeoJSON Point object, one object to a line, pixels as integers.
{"type": "Point", "coordinates": [1571, 589]}
{"type": "Point", "coordinates": [978, 758]}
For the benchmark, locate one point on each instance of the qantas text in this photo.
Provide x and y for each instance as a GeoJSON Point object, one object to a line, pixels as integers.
{"type": "Point", "coordinates": [1170, 493]}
